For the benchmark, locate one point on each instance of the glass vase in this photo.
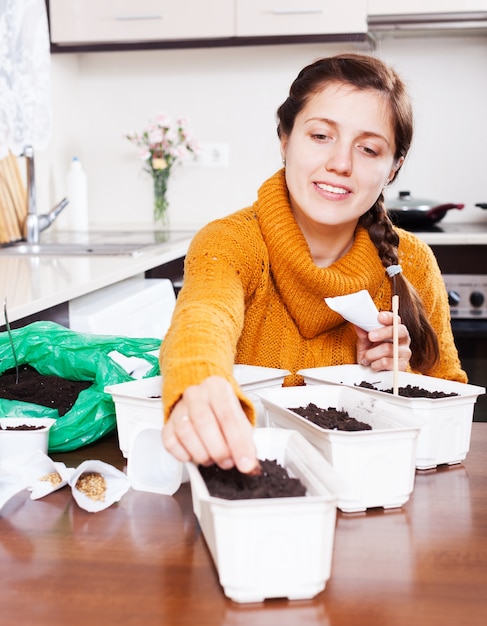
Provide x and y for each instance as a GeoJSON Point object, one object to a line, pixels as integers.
{"type": "Point", "coordinates": [161, 204]}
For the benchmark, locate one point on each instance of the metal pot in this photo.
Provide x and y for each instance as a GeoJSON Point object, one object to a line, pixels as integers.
{"type": "Point", "coordinates": [407, 211]}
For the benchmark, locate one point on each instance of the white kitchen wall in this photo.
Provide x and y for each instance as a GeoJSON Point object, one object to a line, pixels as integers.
{"type": "Point", "coordinates": [230, 95]}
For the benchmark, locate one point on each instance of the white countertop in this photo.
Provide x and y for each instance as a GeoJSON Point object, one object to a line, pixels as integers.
{"type": "Point", "coordinates": [451, 233]}
{"type": "Point", "coordinates": [34, 283]}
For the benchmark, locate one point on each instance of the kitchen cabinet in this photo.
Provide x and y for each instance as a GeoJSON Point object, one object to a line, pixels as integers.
{"type": "Point", "coordinates": [105, 21]}
{"type": "Point", "coordinates": [298, 17]}
{"type": "Point", "coordinates": [421, 7]}
{"type": "Point", "coordinates": [438, 15]}
{"type": "Point", "coordinates": [77, 25]}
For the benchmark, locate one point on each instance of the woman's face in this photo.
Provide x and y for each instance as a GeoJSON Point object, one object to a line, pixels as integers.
{"type": "Point", "coordinates": [339, 155]}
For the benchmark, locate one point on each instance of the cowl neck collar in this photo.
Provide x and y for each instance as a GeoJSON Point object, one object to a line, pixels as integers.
{"type": "Point", "coordinates": [301, 284]}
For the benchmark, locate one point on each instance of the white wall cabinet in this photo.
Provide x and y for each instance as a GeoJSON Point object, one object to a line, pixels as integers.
{"type": "Point", "coordinates": [300, 17]}
{"type": "Point", "coordinates": [421, 7]}
{"type": "Point", "coordinates": [98, 22]}
{"type": "Point", "coordinates": [106, 21]}
{"type": "Point", "coordinates": [95, 22]}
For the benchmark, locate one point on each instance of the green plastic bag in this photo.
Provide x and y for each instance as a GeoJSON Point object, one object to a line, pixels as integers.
{"type": "Point", "coordinates": [55, 350]}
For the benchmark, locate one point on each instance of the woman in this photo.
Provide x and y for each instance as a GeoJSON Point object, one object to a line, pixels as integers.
{"type": "Point", "coordinates": [255, 282]}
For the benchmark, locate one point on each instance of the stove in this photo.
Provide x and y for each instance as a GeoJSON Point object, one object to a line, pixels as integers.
{"type": "Point", "coordinates": [461, 252]}
{"type": "Point", "coordinates": [467, 295]}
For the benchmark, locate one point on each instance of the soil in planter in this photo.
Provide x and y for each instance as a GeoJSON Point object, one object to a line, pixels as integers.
{"type": "Point", "coordinates": [331, 418]}
{"type": "Point", "coordinates": [410, 391]}
{"type": "Point", "coordinates": [273, 482]}
{"type": "Point", "coordinates": [22, 427]}
{"type": "Point", "coordinates": [54, 392]}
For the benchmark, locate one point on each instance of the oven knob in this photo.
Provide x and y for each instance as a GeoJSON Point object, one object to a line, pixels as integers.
{"type": "Point", "coordinates": [477, 298]}
{"type": "Point", "coordinates": [453, 298]}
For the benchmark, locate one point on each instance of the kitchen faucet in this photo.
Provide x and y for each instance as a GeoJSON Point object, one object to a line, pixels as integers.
{"type": "Point", "coordinates": [35, 224]}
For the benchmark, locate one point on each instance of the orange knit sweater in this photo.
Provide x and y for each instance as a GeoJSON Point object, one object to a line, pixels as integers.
{"type": "Point", "coordinates": [253, 295]}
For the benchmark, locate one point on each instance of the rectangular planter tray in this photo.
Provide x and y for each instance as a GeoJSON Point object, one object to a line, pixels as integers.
{"type": "Point", "coordinates": [274, 547]}
{"type": "Point", "coordinates": [377, 466]}
{"type": "Point", "coordinates": [445, 437]}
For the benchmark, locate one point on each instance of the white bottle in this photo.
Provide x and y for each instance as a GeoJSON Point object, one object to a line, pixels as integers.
{"type": "Point", "coordinates": [77, 209]}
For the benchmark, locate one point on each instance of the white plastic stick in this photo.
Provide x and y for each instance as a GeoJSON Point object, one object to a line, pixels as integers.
{"type": "Point", "coordinates": [395, 342]}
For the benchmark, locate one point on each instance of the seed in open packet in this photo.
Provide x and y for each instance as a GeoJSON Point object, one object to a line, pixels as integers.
{"type": "Point", "coordinates": [357, 308]}
{"type": "Point", "coordinates": [93, 485]}
{"type": "Point", "coordinates": [97, 485]}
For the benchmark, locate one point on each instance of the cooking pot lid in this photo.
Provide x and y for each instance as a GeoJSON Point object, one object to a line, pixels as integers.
{"type": "Point", "coordinates": [405, 201]}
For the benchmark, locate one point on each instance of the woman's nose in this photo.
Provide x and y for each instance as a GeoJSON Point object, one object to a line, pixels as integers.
{"type": "Point", "coordinates": [339, 159]}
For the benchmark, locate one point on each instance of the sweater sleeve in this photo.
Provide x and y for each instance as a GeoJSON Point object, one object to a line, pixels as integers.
{"type": "Point", "coordinates": [209, 314]}
{"type": "Point", "coordinates": [422, 270]}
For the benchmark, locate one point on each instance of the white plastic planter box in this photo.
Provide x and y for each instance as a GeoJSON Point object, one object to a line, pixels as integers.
{"type": "Point", "coordinates": [14, 442]}
{"type": "Point", "coordinates": [377, 466]}
{"type": "Point", "coordinates": [138, 402]}
{"type": "Point", "coordinates": [445, 437]}
{"type": "Point", "coordinates": [273, 547]}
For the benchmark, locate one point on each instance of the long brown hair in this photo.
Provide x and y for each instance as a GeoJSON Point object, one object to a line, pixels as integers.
{"type": "Point", "coordinates": [367, 72]}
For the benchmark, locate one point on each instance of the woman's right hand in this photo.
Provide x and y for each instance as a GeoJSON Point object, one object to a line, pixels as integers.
{"type": "Point", "coordinates": [208, 425]}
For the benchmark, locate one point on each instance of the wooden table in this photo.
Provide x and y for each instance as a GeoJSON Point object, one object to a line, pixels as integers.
{"type": "Point", "coordinates": [144, 561]}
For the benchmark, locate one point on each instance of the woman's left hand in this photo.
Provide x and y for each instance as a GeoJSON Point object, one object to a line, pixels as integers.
{"type": "Point", "coordinates": [374, 348]}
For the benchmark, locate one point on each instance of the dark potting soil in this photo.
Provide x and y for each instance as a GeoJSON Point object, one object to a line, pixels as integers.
{"type": "Point", "coordinates": [273, 482]}
{"type": "Point", "coordinates": [410, 391]}
{"type": "Point", "coordinates": [51, 391]}
{"type": "Point", "coordinates": [331, 418]}
{"type": "Point", "coordinates": [23, 427]}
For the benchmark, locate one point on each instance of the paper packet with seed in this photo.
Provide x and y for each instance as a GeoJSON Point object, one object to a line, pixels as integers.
{"type": "Point", "coordinates": [357, 308]}
{"type": "Point", "coordinates": [49, 476]}
{"type": "Point", "coordinates": [37, 472]}
{"type": "Point", "coordinates": [97, 485]}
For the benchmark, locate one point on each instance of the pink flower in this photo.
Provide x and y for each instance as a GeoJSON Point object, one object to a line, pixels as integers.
{"type": "Point", "coordinates": [164, 142]}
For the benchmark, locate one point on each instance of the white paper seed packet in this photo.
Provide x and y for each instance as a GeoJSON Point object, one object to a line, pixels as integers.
{"type": "Point", "coordinates": [48, 476]}
{"type": "Point", "coordinates": [97, 485]}
{"type": "Point", "coordinates": [357, 308]}
{"type": "Point", "coordinates": [39, 474]}
{"type": "Point", "coordinates": [36, 472]}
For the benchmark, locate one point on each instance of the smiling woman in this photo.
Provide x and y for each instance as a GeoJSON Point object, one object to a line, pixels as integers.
{"type": "Point", "coordinates": [256, 281]}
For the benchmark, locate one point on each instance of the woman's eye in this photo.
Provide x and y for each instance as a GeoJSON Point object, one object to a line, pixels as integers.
{"type": "Point", "coordinates": [320, 137]}
{"type": "Point", "coordinates": [368, 150]}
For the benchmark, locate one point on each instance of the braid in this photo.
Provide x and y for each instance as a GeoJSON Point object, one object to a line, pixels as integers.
{"type": "Point", "coordinates": [424, 343]}
{"type": "Point", "coordinates": [381, 232]}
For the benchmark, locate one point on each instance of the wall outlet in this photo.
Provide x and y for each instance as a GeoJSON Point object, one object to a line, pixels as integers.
{"type": "Point", "coordinates": [211, 154]}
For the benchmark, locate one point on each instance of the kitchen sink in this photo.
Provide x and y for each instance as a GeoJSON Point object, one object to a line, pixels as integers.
{"type": "Point", "coordinates": [118, 243]}
{"type": "Point", "coordinates": [75, 249]}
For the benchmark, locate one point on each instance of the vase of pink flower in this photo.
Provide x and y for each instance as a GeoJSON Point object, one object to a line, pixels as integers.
{"type": "Point", "coordinates": [163, 144]}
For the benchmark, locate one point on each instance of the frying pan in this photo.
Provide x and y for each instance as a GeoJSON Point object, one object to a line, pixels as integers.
{"type": "Point", "coordinates": [406, 210]}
